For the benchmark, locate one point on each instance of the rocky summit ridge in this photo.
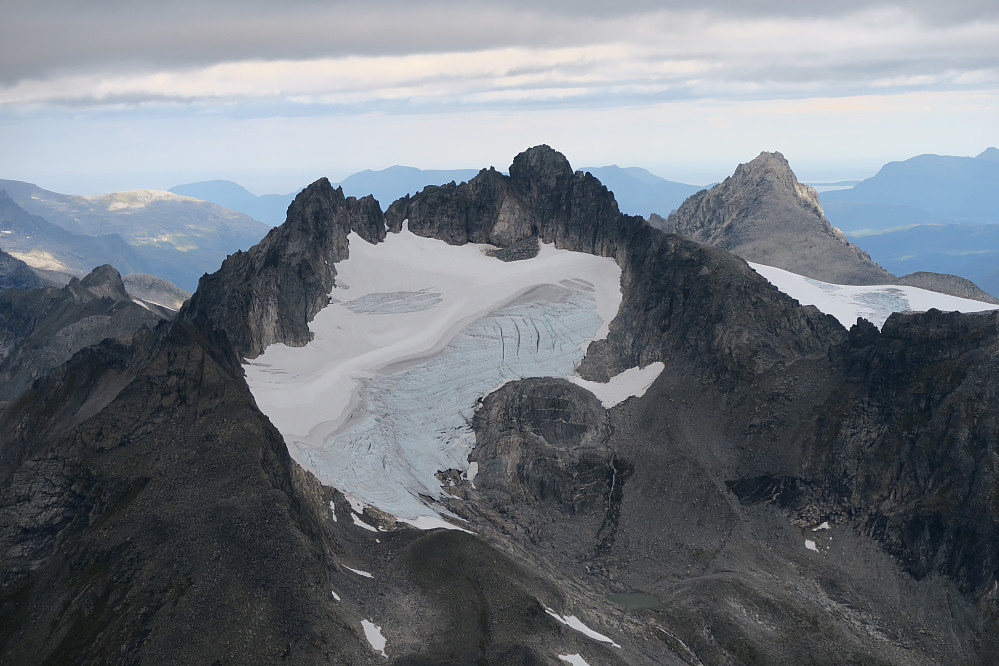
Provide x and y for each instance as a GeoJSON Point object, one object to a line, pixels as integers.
{"type": "Point", "coordinates": [763, 214]}
{"type": "Point", "coordinates": [786, 491]}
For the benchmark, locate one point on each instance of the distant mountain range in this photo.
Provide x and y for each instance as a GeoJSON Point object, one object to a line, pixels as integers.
{"type": "Point", "coordinates": [928, 189]}
{"type": "Point", "coordinates": [638, 192]}
{"type": "Point", "coordinates": [174, 237]}
{"type": "Point", "coordinates": [928, 213]}
{"type": "Point", "coordinates": [49, 246]}
{"type": "Point", "coordinates": [385, 185]}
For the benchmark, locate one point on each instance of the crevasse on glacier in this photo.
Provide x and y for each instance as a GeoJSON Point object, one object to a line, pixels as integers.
{"type": "Point", "coordinates": [416, 333]}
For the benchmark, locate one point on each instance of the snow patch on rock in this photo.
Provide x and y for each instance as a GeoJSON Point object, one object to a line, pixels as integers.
{"type": "Point", "coordinates": [574, 622]}
{"type": "Point", "coordinates": [360, 523]}
{"type": "Point", "coordinates": [359, 572]}
{"type": "Point", "coordinates": [374, 635]}
{"type": "Point", "coordinates": [631, 383]}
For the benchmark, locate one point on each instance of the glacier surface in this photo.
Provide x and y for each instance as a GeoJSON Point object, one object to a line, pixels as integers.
{"type": "Point", "coordinates": [874, 303]}
{"type": "Point", "coordinates": [417, 332]}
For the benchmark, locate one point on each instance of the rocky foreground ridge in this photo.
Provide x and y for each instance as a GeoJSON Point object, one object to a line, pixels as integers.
{"type": "Point", "coordinates": [786, 492]}
{"type": "Point", "coordinates": [40, 329]}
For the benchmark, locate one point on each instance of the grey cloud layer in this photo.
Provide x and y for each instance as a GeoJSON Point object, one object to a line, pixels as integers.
{"type": "Point", "coordinates": [66, 53]}
{"type": "Point", "coordinates": [39, 37]}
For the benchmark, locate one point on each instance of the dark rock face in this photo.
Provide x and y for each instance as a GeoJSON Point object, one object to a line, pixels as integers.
{"type": "Point", "coordinates": [42, 328]}
{"type": "Point", "coordinates": [166, 529]}
{"type": "Point", "coordinates": [543, 441]}
{"type": "Point", "coordinates": [15, 274]}
{"type": "Point", "coordinates": [541, 197]}
{"type": "Point", "coordinates": [763, 214]}
{"type": "Point", "coordinates": [271, 292]}
{"type": "Point", "coordinates": [912, 459]}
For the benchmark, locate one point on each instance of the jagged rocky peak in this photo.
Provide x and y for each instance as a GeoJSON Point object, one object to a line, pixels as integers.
{"type": "Point", "coordinates": [271, 292]}
{"type": "Point", "coordinates": [42, 328]}
{"type": "Point", "coordinates": [102, 282]}
{"type": "Point", "coordinates": [542, 197]}
{"type": "Point", "coordinates": [763, 214]}
{"type": "Point", "coordinates": [539, 171]}
{"type": "Point", "coordinates": [773, 169]}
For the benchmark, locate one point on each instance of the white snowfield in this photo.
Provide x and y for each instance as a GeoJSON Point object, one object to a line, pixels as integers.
{"type": "Point", "coordinates": [574, 622]}
{"type": "Point", "coordinates": [574, 659]}
{"type": "Point", "coordinates": [417, 333]}
{"type": "Point", "coordinates": [874, 303]}
{"type": "Point", "coordinates": [373, 633]}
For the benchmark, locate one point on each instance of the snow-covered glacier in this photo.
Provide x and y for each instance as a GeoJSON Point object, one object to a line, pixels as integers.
{"type": "Point", "coordinates": [873, 302]}
{"type": "Point", "coordinates": [416, 333]}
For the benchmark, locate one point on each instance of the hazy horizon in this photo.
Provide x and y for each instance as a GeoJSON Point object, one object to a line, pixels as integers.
{"type": "Point", "coordinates": [260, 184]}
{"type": "Point", "coordinates": [140, 94]}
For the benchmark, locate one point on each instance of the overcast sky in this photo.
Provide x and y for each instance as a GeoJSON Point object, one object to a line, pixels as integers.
{"type": "Point", "coordinates": [110, 94]}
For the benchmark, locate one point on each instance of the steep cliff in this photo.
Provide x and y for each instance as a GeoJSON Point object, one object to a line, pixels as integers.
{"type": "Point", "coordinates": [271, 292]}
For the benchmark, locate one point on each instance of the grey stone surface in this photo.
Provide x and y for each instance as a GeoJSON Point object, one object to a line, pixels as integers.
{"type": "Point", "coordinates": [763, 214]}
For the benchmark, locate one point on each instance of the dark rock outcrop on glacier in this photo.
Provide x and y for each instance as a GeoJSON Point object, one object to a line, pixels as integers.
{"type": "Point", "coordinates": [543, 442]}
{"type": "Point", "coordinates": [42, 328]}
{"type": "Point", "coordinates": [763, 214]}
{"type": "Point", "coordinates": [785, 492]}
{"type": "Point", "coordinates": [15, 274]}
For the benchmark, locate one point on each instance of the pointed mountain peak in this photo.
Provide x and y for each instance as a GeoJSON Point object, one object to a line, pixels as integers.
{"type": "Point", "coordinates": [774, 169]}
{"type": "Point", "coordinates": [767, 165]}
{"type": "Point", "coordinates": [990, 154]}
{"type": "Point", "coordinates": [763, 214]}
{"type": "Point", "coordinates": [105, 282]}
